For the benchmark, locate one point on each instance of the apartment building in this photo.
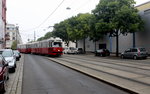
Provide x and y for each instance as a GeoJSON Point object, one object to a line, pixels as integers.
{"type": "Point", "coordinates": [13, 32]}
{"type": "Point", "coordinates": [139, 39]}
{"type": "Point", "coordinates": [2, 23]}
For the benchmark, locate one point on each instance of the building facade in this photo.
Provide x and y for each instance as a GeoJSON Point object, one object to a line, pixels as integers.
{"type": "Point", "coordinates": [2, 23]}
{"type": "Point", "coordinates": [139, 39]}
{"type": "Point", "coordinates": [13, 32]}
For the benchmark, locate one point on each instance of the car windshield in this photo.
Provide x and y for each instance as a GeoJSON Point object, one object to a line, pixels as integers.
{"type": "Point", "coordinates": [142, 49]}
{"type": "Point", "coordinates": [72, 48]}
{"type": "Point", "coordinates": [1, 52]}
{"type": "Point", "coordinates": [1, 61]}
{"type": "Point", "coordinates": [7, 54]}
{"type": "Point", "coordinates": [15, 52]}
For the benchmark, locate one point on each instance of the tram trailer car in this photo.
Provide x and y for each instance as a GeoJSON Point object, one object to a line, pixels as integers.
{"type": "Point", "coordinates": [24, 48]}
{"type": "Point", "coordinates": [51, 47]}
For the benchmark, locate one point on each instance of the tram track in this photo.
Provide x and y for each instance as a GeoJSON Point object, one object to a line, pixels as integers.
{"type": "Point", "coordinates": [114, 62]}
{"type": "Point", "coordinates": [119, 68]}
{"type": "Point", "coordinates": [104, 72]}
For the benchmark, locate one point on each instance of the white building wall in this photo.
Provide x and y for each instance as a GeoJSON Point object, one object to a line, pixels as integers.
{"type": "Point", "coordinates": [2, 30]}
{"type": "Point", "coordinates": [13, 35]}
{"type": "Point", "coordinates": [143, 38]}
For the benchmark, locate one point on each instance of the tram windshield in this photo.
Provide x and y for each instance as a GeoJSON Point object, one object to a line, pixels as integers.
{"type": "Point", "coordinates": [57, 44]}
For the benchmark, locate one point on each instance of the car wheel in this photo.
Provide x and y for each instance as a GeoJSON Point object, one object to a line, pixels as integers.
{"type": "Point", "coordinates": [135, 57]}
{"type": "Point", "coordinates": [145, 57]}
{"type": "Point", "coordinates": [15, 66]}
{"type": "Point", "coordinates": [122, 56]}
{"type": "Point", "coordinates": [3, 88]}
{"type": "Point", "coordinates": [7, 78]}
{"type": "Point", "coordinates": [100, 55]}
{"type": "Point", "coordinates": [13, 69]}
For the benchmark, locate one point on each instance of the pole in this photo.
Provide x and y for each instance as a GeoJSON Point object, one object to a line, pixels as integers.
{"type": "Point", "coordinates": [134, 39]}
{"type": "Point", "coordinates": [17, 28]}
{"type": "Point", "coordinates": [34, 36]}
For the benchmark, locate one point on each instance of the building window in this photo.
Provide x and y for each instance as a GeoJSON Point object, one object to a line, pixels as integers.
{"type": "Point", "coordinates": [14, 38]}
{"type": "Point", "coordinates": [7, 28]}
{"type": "Point", "coordinates": [13, 33]}
{"type": "Point", "coordinates": [147, 11]}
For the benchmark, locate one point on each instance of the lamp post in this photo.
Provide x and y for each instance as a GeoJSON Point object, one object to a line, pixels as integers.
{"type": "Point", "coordinates": [34, 36]}
{"type": "Point", "coordinates": [17, 32]}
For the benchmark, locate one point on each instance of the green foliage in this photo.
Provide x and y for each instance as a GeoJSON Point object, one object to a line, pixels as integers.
{"type": "Point", "coordinates": [14, 45]}
{"type": "Point", "coordinates": [60, 30]}
{"type": "Point", "coordinates": [46, 36]}
{"type": "Point", "coordinates": [117, 17]}
{"type": "Point", "coordinates": [41, 38]}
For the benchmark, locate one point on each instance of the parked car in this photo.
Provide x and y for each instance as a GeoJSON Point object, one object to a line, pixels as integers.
{"type": "Point", "coordinates": [80, 51]}
{"type": "Point", "coordinates": [10, 57]}
{"type": "Point", "coordinates": [65, 50]}
{"type": "Point", "coordinates": [102, 52]}
{"type": "Point", "coordinates": [4, 75]}
{"type": "Point", "coordinates": [135, 53]}
{"type": "Point", "coordinates": [17, 54]}
{"type": "Point", "coordinates": [72, 50]}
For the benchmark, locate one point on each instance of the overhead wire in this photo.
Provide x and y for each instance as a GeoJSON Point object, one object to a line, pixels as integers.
{"type": "Point", "coordinates": [51, 13]}
{"type": "Point", "coordinates": [83, 4]}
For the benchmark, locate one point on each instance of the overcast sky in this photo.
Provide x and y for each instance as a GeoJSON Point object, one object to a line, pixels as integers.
{"type": "Point", "coordinates": [37, 15]}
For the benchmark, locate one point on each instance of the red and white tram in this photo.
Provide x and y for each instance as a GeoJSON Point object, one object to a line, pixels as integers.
{"type": "Point", "coordinates": [52, 46]}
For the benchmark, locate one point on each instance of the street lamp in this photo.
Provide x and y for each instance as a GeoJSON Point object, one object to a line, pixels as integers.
{"type": "Point", "coordinates": [68, 8]}
{"type": "Point", "coordinates": [17, 32]}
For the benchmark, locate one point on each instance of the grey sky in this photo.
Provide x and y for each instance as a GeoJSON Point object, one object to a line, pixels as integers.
{"type": "Point", "coordinates": [30, 14]}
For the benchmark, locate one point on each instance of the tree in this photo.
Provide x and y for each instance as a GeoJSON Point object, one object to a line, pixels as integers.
{"type": "Point", "coordinates": [117, 17]}
{"type": "Point", "coordinates": [83, 26]}
{"type": "Point", "coordinates": [72, 30]}
{"type": "Point", "coordinates": [60, 30]}
{"type": "Point", "coordinates": [48, 35]}
{"type": "Point", "coordinates": [41, 38]}
{"type": "Point", "coordinates": [94, 34]}
{"type": "Point", "coordinates": [14, 45]}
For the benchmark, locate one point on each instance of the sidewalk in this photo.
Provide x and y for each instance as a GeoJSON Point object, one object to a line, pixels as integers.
{"type": "Point", "coordinates": [14, 84]}
{"type": "Point", "coordinates": [133, 83]}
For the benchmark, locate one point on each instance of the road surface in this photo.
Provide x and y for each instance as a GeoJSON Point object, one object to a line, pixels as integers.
{"type": "Point", "coordinates": [42, 76]}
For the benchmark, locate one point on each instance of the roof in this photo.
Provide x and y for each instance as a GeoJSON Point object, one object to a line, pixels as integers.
{"type": "Point", "coordinates": [144, 6]}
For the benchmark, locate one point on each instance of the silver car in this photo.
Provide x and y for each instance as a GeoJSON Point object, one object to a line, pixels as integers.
{"type": "Point", "coordinates": [135, 53]}
{"type": "Point", "coordinates": [10, 58]}
{"type": "Point", "coordinates": [72, 50]}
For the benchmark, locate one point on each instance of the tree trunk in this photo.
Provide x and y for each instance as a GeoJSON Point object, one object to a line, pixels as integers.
{"type": "Point", "coordinates": [134, 39]}
{"type": "Point", "coordinates": [76, 43]}
{"type": "Point", "coordinates": [95, 46]}
{"type": "Point", "coordinates": [117, 44]}
{"type": "Point", "coordinates": [67, 42]}
{"type": "Point", "coordinates": [84, 45]}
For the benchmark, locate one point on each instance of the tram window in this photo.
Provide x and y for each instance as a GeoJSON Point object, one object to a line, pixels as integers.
{"type": "Point", "coordinates": [50, 44]}
{"type": "Point", "coordinates": [57, 44]}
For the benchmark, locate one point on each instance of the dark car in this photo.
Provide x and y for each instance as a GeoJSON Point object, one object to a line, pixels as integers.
{"type": "Point", "coordinates": [102, 52]}
{"type": "Point", "coordinates": [80, 51]}
{"type": "Point", "coordinates": [3, 74]}
{"type": "Point", "coordinates": [17, 54]}
{"type": "Point", "coordinates": [135, 53]}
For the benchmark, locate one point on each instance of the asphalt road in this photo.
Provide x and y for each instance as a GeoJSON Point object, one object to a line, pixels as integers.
{"type": "Point", "coordinates": [42, 76]}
